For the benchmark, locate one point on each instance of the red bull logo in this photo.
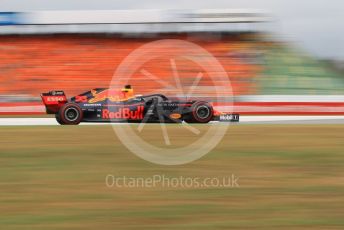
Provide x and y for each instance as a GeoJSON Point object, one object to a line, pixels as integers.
{"type": "Point", "coordinates": [124, 113]}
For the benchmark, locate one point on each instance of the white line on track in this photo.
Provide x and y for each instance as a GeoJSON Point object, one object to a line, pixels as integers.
{"type": "Point", "coordinates": [243, 120]}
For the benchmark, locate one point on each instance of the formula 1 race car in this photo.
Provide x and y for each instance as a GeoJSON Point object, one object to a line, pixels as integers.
{"type": "Point", "coordinates": [110, 105]}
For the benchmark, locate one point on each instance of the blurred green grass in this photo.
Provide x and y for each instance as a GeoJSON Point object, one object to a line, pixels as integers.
{"type": "Point", "coordinates": [291, 177]}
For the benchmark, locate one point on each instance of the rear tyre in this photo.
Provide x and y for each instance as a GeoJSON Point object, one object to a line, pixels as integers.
{"type": "Point", "coordinates": [58, 119]}
{"type": "Point", "coordinates": [70, 114]}
{"type": "Point", "coordinates": [201, 112]}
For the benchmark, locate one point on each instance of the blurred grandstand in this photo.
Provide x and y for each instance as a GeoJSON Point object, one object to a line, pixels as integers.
{"type": "Point", "coordinates": [78, 51]}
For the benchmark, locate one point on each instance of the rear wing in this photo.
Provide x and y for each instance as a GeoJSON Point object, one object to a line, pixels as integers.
{"type": "Point", "coordinates": [53, 101]}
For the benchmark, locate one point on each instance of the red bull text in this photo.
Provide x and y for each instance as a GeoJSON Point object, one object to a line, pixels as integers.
{"type": "Point", "coordinates": [124, 113]}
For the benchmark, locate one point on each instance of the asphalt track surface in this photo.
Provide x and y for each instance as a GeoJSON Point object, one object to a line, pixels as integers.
{"type": "Point", "coordinates": [243, 120]}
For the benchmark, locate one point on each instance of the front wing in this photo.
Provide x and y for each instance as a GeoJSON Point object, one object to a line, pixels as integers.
{"type": "Point", "coordinates": [227, 118]}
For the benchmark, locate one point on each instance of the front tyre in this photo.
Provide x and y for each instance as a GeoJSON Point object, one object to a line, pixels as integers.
{"type": "Point", "coordinates": [69, 114]}
{"type": "Point", "coordinates": [201, 112]}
